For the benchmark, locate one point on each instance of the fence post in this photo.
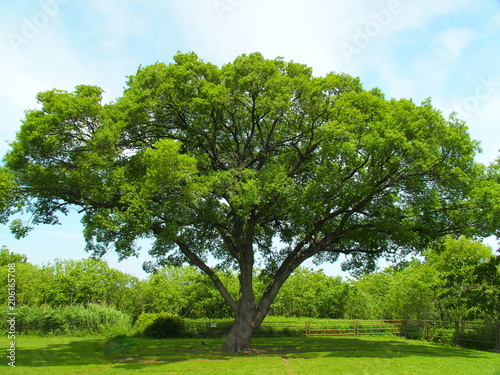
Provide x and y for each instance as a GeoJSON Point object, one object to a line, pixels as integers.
{"type": "Point", "coordinates": [355, 328]}
{"type": "Point", "coordinates": [426, 330]}
{"type": "Point", "coordinates": [404, 328]}
{"type": "Point", "coordinates": [497, 335]}
{"type": "Point", "coordinates": [457, 332]}
{"type": "Point", "coordinates": [308, 332]}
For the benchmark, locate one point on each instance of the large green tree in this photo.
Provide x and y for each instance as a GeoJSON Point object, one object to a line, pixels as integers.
{"type": "Point", "coordinates": [255, 163]}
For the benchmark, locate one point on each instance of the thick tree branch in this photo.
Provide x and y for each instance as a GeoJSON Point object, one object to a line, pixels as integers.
{"type": "Point", "coordinates": [194, 259]}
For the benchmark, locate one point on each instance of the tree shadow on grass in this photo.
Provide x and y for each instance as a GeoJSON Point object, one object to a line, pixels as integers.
{"type": "Point", "coordinates": [136, 353]}
{"type": "Point", "coordinates": [103, 351]}
{"type": "Point", "coordinates": [365, 347]}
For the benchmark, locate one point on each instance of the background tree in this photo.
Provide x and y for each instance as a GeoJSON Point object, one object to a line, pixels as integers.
{"type": "Point", "coordinates": [432, 288]}
{"type": "Point", "coordinates": [410, 295]}
{"type": "Point", "coordinates": [28, 277]}
{"type": "Point", "coordinates": [369, 293]}
{"type": "Point", "coordinates": [70, 282]}
{"type": "Point", "coordinates": [206, 301]}
{"type": "Point", "coordinates": [468, 282]}
{"type": "Point", "coordinates": [7, 257]}
{"type": "Point", "coordinates": [168, 290]}
{"type": "Point", "coordinates": [313, 294]}
{"type": "Point", "coordinates": [186, 292]}
{"type": "Point", "coordinates": [480, 289]}
{"type": "Point", "coordinates": [230, 161]}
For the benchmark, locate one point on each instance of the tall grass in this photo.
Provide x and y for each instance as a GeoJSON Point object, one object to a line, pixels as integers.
{"type": "Point", "coordinates": [75, 320]}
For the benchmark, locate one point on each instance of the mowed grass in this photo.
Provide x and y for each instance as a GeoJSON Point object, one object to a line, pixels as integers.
{"type": "Point", "coordinates": [299, 355]}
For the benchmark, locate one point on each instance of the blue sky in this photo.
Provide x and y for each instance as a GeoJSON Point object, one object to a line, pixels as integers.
{"type": "Point", "coordinates": [447, 50]}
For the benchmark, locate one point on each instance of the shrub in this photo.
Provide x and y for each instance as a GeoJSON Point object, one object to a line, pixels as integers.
{"type": "Point", "coordinates": [144, 320]}
{"type": "Point", "coordinates": [162, 325]}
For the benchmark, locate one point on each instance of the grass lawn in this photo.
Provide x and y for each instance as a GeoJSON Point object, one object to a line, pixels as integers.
{"type": "Point", "coordinates": [299, 355]}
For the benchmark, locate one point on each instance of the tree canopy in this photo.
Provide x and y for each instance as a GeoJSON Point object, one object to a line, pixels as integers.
{"type": "Point", "coordinates": [255, 163]}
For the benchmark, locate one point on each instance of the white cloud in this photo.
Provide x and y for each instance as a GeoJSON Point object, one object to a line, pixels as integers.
{"type": "Point", "coordinates": [305, 32]}
{"type": "Point", "coordinates": [418, 14]}
{"type": "Point", "coordinates": [75, 236]}
{"type": "Point", "coordinates": [51, 57]}
{"type": "Point", "coordinates": [479, 108]}
{"type": "Point", "coordinates": [44, 63]}
{"type": "Point", "coordinates": [454, 41]}
{"type": "Point", "coordinates": [396, 84]}
{"type": "Point", "coordinates": [484, 125]}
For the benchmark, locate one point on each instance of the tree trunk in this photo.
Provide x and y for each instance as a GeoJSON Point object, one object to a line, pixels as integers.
{"type": "Point", "coordinates": [249, 316]}
{"type": "Point", "coordinates": [240, 335]}
{"type": "Point", "coordinates": [247, 320]}
{"type": "Point", "coordinates": [239, 338]}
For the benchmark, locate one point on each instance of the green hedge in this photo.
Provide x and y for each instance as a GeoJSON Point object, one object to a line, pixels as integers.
{"type": "Point", "coordinates": [160, 325]}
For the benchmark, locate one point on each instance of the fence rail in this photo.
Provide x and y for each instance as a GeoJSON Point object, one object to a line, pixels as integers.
{"type": "Point", "coordinates": [353, 328]}
{"type": "Point", "coordinates": [468, 334]}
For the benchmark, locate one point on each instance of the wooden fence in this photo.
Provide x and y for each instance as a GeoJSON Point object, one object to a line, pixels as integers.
{"type": "Point", "coordinates": [353, 328]}
{"type": "Point", "coordinates": [468, 334]}
{"type": "Point", "coordinates": [307, 328]}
